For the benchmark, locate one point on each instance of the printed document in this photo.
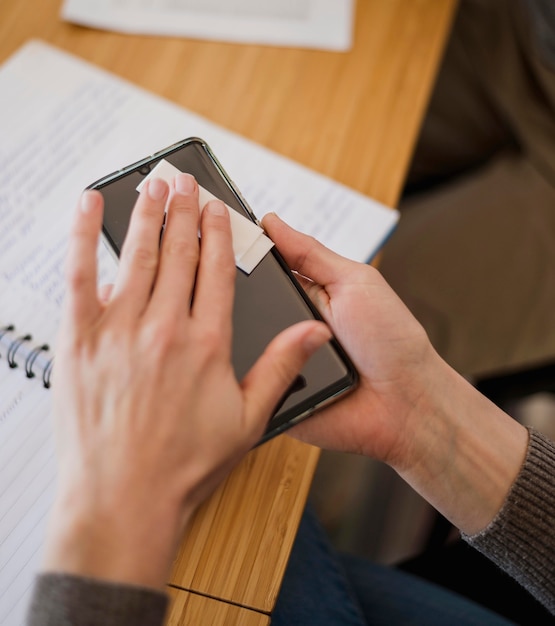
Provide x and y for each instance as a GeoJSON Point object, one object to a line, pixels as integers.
{"type": "Point", "coordinates": [325, 24]}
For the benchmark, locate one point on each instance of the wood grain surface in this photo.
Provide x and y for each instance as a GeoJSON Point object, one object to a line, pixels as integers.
{"type": "Point", "coordinates": [189, 608]}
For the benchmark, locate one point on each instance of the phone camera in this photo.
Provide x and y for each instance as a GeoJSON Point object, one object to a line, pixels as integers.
{"type": "Point", "coordinates": [144, 170]}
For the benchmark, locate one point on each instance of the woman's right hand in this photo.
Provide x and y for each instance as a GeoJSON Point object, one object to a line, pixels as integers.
{"type": "Point", "coordinates": [410, 410]}
{"type": "Point", "coordinates": [388, 346]}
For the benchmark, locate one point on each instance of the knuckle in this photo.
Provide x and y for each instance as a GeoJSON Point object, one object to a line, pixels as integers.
{"type": "Point", "coordinates": [184, 205]}
{"type": "Point", "coordinates": [220, 253]}
{"type": "Point", "coordinates": [151, 211]}
{"type": "Point", "coordinates": [182, 248]}
{"type": "Point", "coordinates": [212, 339]}
{"type": "Point", "coordinates": [226, 265]}
{"type": "Point", "coordinates": [285, 372]}
{"type": "Point", "coordinates": [76, 277]}
{"type": "Point", "coordinates": [286, 362]}
{"type": "Point", "coordinates": [308, 251]}
{"type": "Point", "coordinates": [141, 257]}
{"type": "Point", "coordinates": [219, 222]}
{"type": "Point", "coordinates": [158, 334]}
{"type": "Point", "coordinates": [169, 335]}
{"type": "Point", "coordinates": [210, 345]}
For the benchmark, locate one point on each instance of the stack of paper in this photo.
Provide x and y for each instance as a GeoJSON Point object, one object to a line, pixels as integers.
{"type": "Point", "coordinates": [323, 24]}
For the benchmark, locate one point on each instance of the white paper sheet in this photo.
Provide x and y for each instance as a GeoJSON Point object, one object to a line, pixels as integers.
{"type": "Point", "coordinates": [325, 24]}
{"type": "Point", "coordinates": [65, 124]}
{"type": "Point", "coordinates": [27, 459]}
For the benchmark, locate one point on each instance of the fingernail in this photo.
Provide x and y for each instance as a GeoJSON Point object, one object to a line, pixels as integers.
{"type": "Point", "coordinates": [157, 188]}
{"type": "Point", "coordinates": [271, 214]}
{"type": "Point", "coordinates": [216, 207]}
{"type": "Point", "coordinates": [185, 183]}
{"type": "Point", "coordinates": [88, 201]}
{"type": "Point", "coordinates": [317, 338]}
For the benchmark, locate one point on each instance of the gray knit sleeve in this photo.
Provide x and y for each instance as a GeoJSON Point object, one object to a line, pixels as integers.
{"type": "Point", "coordinates": [65, 600]}
{"type": "Point", "coordinates": [521, 538]}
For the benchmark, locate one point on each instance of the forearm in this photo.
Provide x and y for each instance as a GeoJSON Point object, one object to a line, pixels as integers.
{"type": "Point", "coordinates": [465, 453]}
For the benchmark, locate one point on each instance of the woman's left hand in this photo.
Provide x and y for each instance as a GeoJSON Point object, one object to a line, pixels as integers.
{"type": "Point", "coordinates": [149, 414]}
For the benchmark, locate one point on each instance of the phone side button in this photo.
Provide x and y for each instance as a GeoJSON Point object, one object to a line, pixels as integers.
{"type": "Point", "coordinates": [302, 416]}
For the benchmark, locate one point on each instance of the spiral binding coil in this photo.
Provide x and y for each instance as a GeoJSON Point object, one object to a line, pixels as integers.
{"type": "Point", "coordinates": [18, 343]}
{"type": "Point", "coordinates": [6, 329]}
{"type": "Point", "coordinates": [14, 347]}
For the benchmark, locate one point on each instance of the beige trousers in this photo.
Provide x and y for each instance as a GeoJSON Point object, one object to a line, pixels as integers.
{"type": "Point", "coordinates": [474, 253]}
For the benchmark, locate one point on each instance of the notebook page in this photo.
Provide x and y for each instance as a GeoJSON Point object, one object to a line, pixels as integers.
{"type": "Point", "coordinates": [64, 124]}
{"type": "Point", "coordinates": [27, 462]}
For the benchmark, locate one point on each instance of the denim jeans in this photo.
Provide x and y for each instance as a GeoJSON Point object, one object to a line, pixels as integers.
{"type": "Point", "coordinates": [322, 587]}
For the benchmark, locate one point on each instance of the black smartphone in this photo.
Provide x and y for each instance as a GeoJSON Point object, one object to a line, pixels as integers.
{"type": "Point", "coordinates": [267, 300]}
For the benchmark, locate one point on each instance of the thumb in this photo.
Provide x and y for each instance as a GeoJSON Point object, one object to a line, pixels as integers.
{"type": "Point", "coordinates": [272, 374]}
{"type": "Point", "coordinates": [304, 254]}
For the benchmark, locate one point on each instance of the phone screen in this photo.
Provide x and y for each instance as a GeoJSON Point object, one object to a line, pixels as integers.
{"type": "Point", "coordinates": [267, 300]}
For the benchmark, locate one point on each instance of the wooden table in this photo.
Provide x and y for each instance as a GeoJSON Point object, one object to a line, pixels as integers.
{"type": "Point", "coordinates": [352, 116]}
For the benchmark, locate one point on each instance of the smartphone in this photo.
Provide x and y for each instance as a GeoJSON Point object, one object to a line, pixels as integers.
{"type": "Point", "coordinates": [267, 300]}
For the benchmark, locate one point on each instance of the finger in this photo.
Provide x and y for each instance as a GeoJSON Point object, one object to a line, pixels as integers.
{"type": "Point", "coordinates": [105, 293]}
{"type": "Point", "coordinates": [277, 368]}
{"type": "Point", "coordinates": [318, 296]}
{"type": "Point", "coordinates": [215, 286]}
{"type": "Point", "coordinates": [179, 253]}
{"type": "Point", "coordinates": [140, 252]}
{"type": "Point", "coordinates": [305, 254]}
{"type": "Point", "coordinates": [81, 304]}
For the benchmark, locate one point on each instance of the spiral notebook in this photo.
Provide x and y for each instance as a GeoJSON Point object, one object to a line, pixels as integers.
{"type": "Point", "coordinates": [64, 124]}
{"type": "Point", "coordinates": [21, 350]}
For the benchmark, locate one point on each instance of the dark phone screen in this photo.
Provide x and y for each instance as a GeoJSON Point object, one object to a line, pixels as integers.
{"type": "Point", "coordinates": [266, 301]}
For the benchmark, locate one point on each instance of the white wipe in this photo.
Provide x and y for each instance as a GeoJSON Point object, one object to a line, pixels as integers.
{"type": "Point", "coordinates": [250, 244]}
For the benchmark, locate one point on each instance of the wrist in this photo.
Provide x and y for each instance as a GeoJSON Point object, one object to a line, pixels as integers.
{"type": "Point", "coordinates": [464, 453]}
{"type": "Point", "coordinates": [121, 543]}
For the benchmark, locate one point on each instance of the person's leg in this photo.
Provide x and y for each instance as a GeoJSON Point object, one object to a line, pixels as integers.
{"type": "Point", "coordinates": [474, 250]}
{"type": "Point", "coordinates": [475, 260]}
{"type": "Point", "coordinates": [449, 566]}
{"type": "Point", "coordinates": [389, 597]}
{"type": "Point", "coordinates": [322, 588]}
{"type": "Point", "coordinates": [314, 589]}
{"type": "Point", "coordinates": [463, 127]}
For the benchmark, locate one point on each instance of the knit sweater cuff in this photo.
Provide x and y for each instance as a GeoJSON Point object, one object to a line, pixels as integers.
{"type": "Point", "coordinates": [521, 538]}
{"type": "Point", "coordinates": [66, 599]}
